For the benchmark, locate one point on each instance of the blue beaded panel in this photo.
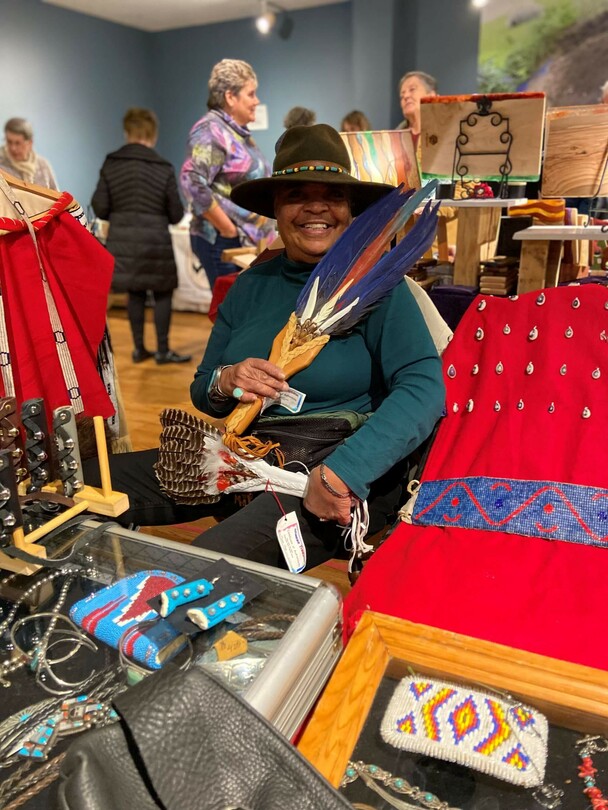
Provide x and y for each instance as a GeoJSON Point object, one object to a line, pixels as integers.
{"type": "Point", "coordinates": [571, 512]}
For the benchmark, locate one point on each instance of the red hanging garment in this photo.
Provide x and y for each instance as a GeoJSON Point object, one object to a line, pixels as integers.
{"type": "Point", "coordinates": [78, 270]}
{"type": "Point", "coordinates": [514, 496]}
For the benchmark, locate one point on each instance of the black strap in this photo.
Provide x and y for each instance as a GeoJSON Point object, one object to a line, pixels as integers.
{"type": "Point", "coordinates": [90, 535]}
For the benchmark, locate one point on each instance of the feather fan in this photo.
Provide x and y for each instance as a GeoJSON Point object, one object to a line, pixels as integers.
{"type": "Point", "coordinates": [194, 466]}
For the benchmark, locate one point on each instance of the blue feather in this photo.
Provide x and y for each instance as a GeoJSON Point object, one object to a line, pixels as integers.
{"type": "Point", "coordinates": [379, 222]}
{"type": "Point", "coordinates": [386, 273]}
{"type": "Point", "coordinates": [395, 208]}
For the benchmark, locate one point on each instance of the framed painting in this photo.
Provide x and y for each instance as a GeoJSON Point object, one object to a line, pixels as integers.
{"type": "Point", "coordinates": [383, 156]}
{"type": "Point", "coordinates": [484, 137]}
{"type": "Point", "coordinates": [345, 727]}
{"type": "Point", "coordinates": [576, 152]}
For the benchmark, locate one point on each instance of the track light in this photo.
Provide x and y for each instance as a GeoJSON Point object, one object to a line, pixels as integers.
{"type": "Point", "coordinates": [266, 19]}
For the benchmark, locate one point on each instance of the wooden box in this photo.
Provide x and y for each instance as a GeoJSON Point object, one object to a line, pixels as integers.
{"type": "Point", "coordinates": [473, 136]}
{"type": "Point", "coordinates": [576, 151]}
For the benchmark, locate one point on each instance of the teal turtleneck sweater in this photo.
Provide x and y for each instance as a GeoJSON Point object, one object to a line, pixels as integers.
{"type": "Point", "coordinates": [387, 365]}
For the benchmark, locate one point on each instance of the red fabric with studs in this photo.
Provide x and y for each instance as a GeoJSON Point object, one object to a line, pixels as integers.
{"type": "Point", "coordinates": [526, 399]}
{"type": "Point", "coordinates": [79, 271]}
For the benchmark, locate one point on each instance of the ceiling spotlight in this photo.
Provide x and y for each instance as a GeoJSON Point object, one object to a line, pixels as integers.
{"type": "Point", "coordinates": [265, 19]}
{"type": "Point", "coordinates": [480, 3]}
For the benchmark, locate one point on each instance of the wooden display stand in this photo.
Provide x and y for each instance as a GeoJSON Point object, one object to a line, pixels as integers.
{"type": "Point", "coordinates": [104, 500]}
{"type": "Point", "coordinates": [477, 235]}
{"type": "Point", "coordinates": [542, 252]}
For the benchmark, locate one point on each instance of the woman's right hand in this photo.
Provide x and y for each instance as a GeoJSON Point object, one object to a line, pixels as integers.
{"type": "Point", "coordinates": [255, 377]}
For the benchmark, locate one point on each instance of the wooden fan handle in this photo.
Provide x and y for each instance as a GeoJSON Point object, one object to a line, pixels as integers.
{"type": "Point", "coordinates": [245, 412]}
{"type": "Point", "coordinates": [242, 416]}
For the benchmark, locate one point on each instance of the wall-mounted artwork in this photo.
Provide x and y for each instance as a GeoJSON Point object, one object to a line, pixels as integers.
{"type": "Point", "coordinates": [576, 151]}
{"type": "Point", "coordinates": [488, 137]}
{"type": "Point", "coordinates": [559, 47]}
{"type": "Point", "coordinates": [383, 156]}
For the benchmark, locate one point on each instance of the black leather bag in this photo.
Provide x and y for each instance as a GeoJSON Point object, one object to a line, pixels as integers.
{"type": "Point", "coordinates": [185, 741]}
{"type": "Point", "coordinates": [309, 438]}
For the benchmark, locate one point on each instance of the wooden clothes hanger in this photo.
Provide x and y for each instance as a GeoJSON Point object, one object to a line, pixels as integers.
{"type": "Point", "coordinates": [30, 188]}
{"type": "Point", "coordinates": [36, 200]}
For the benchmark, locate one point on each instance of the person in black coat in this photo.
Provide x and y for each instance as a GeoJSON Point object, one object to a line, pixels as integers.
{"type": "Point", "coordinates": [137, 193]}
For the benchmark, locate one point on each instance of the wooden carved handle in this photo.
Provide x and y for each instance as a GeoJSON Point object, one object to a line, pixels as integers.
{"type": "Point", "coordinates": [245, 412]}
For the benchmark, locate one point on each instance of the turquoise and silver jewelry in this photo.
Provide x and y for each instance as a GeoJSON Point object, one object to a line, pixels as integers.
{"type": "Point", "coordinates": [374, 776]}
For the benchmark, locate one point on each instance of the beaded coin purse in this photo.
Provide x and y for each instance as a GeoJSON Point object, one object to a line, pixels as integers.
{"type": "Point", "coordinates": [491, 734]}
{"type": "Point", "coordinates": [107, 613]}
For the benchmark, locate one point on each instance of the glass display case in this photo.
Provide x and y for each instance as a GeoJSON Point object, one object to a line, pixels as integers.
{"type": "Point", "coordinates": [288, 659]}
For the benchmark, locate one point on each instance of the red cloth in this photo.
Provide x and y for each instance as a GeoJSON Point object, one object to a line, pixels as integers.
{"type": "Point", "coordinates": [220, 291]}
{"type": "Point", "coordinates": [536, 358]}
{"type": "Point", "coordinates": [79, 271]}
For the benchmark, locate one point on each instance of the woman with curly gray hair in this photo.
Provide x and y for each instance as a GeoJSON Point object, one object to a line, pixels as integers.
{"type": "Point", "coordinates": [221, 154]}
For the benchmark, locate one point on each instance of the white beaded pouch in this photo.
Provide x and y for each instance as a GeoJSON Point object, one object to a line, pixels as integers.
{"type": "Point", "coordinates": [491, 734]}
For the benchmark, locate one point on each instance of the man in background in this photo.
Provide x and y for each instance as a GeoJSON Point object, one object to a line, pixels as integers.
{"type": "Point", "coordinates": [17, 156]}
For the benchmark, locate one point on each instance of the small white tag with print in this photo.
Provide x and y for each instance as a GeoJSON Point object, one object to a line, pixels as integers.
{"type": "Point", "coordinates": [292, 545]}
{"type": "Point", "coordinates": [291, 400]}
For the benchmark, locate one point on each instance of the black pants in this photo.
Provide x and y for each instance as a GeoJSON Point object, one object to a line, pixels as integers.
{"type": "Point", "coordinates": [244, 531]}
{"type": "Point", "coordinates": [136, 309]}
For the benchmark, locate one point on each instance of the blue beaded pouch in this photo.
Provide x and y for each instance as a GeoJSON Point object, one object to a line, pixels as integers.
{"type": "Point", "coordinates": [491, 734]}
{"type": "Point", "coordinates": [108, 613]}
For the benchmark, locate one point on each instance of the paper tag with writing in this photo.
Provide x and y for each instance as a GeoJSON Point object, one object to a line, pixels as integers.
{"type": "Point", "coordinates": [230, 645]}
{"type": "Point", "coordinates": [292, 400]}
{"type": "Point", "coordinates": [292, 545]}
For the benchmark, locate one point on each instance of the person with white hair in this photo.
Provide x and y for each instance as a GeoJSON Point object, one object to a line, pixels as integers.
{"type": "Point", "coordinates": [17, 156]}
{"type": "Point", "coordinates": [221, 154]}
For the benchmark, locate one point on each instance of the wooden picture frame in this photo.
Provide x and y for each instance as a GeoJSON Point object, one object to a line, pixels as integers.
{"type": "Point", "coordinates": [570, 695]}
{"type": "Point", "coordinates": [383, 156]}
{"type": "Point", "coordinates": [576, 151]}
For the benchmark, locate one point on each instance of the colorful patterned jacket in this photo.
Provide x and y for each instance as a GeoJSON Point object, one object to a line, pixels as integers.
{"type": "Point", "coordinates": [222, 154]}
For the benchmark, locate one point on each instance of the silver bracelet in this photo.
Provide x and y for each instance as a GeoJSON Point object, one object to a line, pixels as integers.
{"type": "Point", "coordinates": [215, 393]}
{"type": "Point", "coordinates": [329, 487]}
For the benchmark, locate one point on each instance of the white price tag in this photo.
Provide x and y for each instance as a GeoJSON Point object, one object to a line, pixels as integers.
{"type": "Point", "coordinates": [292, 545]}
{"type": "Point", "coordinates": [292, 400]}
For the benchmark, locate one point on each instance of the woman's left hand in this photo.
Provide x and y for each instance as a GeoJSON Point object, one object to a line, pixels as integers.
{"type": "Point", "coordinates": [322, 503]}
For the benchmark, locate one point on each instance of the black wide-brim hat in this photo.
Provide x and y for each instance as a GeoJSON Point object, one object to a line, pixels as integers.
{"type": "Point", "coordinates": [314, 154]}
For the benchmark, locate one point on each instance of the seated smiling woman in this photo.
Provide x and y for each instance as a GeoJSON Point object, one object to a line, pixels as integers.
{"type": "Point", "coordinates": [386, 368]}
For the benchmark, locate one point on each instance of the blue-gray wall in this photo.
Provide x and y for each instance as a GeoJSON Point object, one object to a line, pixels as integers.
{"type": "Point", "coordinates": [74, 76]}
{"type": "Point", "coordinates": [312, 69]}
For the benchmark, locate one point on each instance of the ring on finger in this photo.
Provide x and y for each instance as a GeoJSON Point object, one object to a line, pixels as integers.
{"type": "Point", "coordinates": [237, 392]}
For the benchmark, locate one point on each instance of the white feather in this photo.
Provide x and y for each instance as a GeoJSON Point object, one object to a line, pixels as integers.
{"type": "Point", "coordinates": [312, 301]}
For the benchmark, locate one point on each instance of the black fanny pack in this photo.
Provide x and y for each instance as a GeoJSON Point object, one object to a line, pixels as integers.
{"type": "Point", "coordinates": [309, 438]}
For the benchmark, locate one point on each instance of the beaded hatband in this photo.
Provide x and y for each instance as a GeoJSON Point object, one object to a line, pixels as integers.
{"type": "Point", "coordinates": [455, 723]}
{"type": "Point", "coordinates": [325, 167]}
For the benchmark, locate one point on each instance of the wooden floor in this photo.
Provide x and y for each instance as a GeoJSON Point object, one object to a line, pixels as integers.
{"type": "Point", "coordinates": [148, 388]}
